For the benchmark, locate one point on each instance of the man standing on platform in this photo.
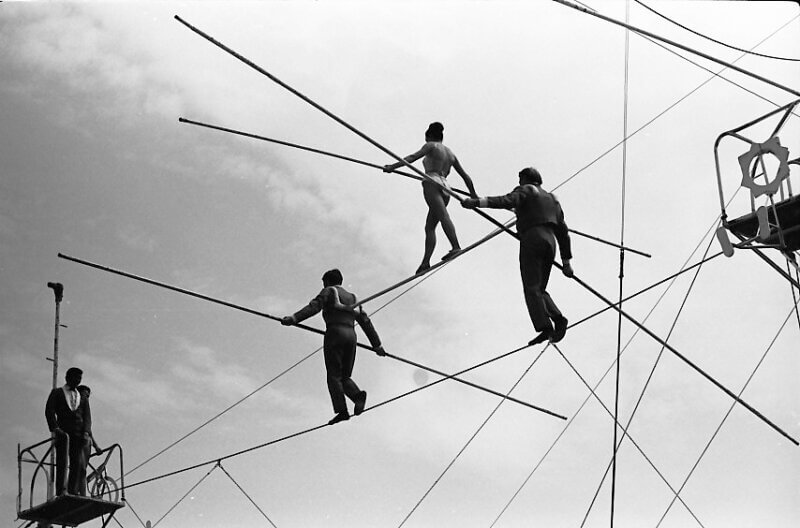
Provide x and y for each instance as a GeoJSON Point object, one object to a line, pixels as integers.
{"type": "Point", "coordinates": [340, 341]}
{"type": "Point", "coordinates": [67, 415]}
{"type": "Point", "coordinates": [540, 223]}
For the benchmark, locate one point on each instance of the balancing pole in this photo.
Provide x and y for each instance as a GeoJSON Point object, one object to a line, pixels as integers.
{"type": "Point", "coordinates": [376, 166]}
{"type": "Point", "coordinates": [298, 325]}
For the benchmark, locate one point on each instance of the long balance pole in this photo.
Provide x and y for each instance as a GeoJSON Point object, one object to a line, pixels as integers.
{"type": "Point", "coordinates": [304, 327]}
{"type": "Point", "coordinates": [376, 166]}
{"type": "Point", "coordinates": [501, 226]}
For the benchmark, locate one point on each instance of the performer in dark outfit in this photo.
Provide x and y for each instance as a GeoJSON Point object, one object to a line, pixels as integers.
{"type": "Point", "coordinates": [540, 223]}
{"type": "Point", "coordinates": [67, 418]}
{"type": "Point", "coordinates": [340, 341]}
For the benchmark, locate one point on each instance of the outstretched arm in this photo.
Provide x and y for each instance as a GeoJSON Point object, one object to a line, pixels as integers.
{"type": "Point", "coordinates": [411, 158]}
{"type": "Point", "coordinates": [507, 201]}
{"type": "Point", "coordinates": [467, 180]}
{"type": "Point", "coordinates": [312, 308]}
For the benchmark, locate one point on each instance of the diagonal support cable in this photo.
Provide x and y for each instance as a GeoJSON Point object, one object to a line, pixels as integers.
{"type": "Point", "coordinates": [730, 410]}
{"type": "Point", "coordinates": [684, 268]}
{"type": "Point", "coordinates": [624, 431]}
{"type": "Point", "coordinates": [186, 494]}
{"type": "Point", "coordinates": [678, 45]}
{"type": "Point", "coordinates": [471, 438]}
{"type": "Point", "coordinates": [315, 428]}
{"type": "Point", "coordinates": [248, 496]}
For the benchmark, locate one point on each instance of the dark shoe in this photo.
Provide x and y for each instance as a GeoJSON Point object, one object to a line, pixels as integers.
{"type": "Point", "coordinates": [341, 417]}
{"type": "Point", "coordinates": [360, 401]}
{"type": "Point", "coordinates": [542, 337]}
{"type": "Point", "coordinates": [561, 329]}
{"type": "Point", "coordinates": [453, 253]}
{"type": "Point", "coordinates": [422, 269]}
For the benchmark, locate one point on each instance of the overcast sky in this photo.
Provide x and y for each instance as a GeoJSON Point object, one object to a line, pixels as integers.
{"type": "Point", "coordinates": [95, 164]}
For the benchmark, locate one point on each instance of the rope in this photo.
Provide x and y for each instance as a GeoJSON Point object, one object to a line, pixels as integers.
{"type": "Point", "coordinates": [435, 266]}
{"type": "Point", "coordinates": [269, 382]}
{"type": "Point", "coordinates": [305, 431]}
{"type": "Point", "coordinates": [219, 414]}
{"type": "Point", "coordinates": [680, 46]}
{"type": "Point", "coordinates": [621, 265]}
{"type": "Point", "coordinates": [185, 495]}
{"type": "Point", "coordinates": [575, 278]}
{"type": "Point", "coordinates": [715, 41]}
{"type": "Point", "coordinates": [625, 432]}
{"type": "Point", "coordinates": [650, 377]}
{"type": "Point", "coordinates": [680, 100]}
{"type": "Point", "coordinates": [471, 438]}
{"type": "Point", "coordinates": [791, 286]}
{"type": "Point", "coordinates": [248, 496]}
{"type": "Point", "coordinates": [128, 504]}
{"type": "Point", "coordinates": [475, 385]}
{"type": "Point", "coordinates": [608, 370]}
{"type": "Point", "coordinates": [730, 410]}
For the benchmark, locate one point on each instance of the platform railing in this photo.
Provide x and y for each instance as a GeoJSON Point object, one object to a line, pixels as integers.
{"type": "Point", "coordinates": [105, 474]}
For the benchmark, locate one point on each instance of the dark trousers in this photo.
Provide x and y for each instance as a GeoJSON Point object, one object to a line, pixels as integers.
{"type": "Point", "coordinates": [74, 481]}
{"type": "Point", "coordinates": [340, 356]}
{"type": "Point", "coordinates": [537, 251]}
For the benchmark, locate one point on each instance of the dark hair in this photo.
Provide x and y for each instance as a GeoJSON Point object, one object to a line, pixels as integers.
{"type": "Point", "coordinates": [435, 131]}
{"type": "Point", "coordinates": [332, 277]}
{"type": "Point", "coordinates": [73, 371]}
{"type": "Point", "coordinates": [531, 175]}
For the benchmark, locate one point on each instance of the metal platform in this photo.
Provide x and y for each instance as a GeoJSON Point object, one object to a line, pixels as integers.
{"type": "Point", "coordinates": [70, 510]}
{"type": "Point", "coordinates": [789, 218]}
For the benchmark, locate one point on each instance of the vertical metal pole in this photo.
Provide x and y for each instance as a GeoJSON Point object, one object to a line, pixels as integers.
{"type": "Point", "coordinates": [58, 290]}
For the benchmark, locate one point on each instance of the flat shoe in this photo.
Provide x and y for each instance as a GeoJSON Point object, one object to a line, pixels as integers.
{"type": "Point", "coordinates": [561, 330]}
{"type": "Point", "coordinates": [541, 338]}
{"type": "Point", "coordinates": [341, 417]}
{"type": "Point", "coordinates": [360, 402]}
{"type": "Point", "coordinates": [453, 253]}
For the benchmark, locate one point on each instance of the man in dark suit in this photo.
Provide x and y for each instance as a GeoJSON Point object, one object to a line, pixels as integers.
{"type": "Point", "coordinates": [540, 224]}
{"type": "Point", "coordinates": [68, 419]}
{"type": "Point", "coordinates": [340, 341]}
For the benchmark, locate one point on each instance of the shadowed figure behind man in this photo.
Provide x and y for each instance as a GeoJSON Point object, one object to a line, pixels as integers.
{"type": "Point", "coordinates": [69, 420]}
{"type": "Point", "coordinates": [340, 341]}
{"type": "Point", "coordinates": [540, 223]}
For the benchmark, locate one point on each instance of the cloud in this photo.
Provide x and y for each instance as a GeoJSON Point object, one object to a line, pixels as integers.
{"type": "Point", "coordinates": [136, 238]}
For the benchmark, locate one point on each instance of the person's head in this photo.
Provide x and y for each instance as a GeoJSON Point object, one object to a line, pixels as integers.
{"type": "Point", "coordinates": [74, 376]}
{"type": "Point", "coordinates": [84, 390]}
{"type": "Point", "coordinates": [529, 175]}
{"type": "Point", "coordinates": [435, 132]}
{"type": "Point", "coordinates": [332, 278]}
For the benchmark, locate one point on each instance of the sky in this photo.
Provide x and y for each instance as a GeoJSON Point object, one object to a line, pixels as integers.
{"type": "Point", "coordinates": [94, 164]}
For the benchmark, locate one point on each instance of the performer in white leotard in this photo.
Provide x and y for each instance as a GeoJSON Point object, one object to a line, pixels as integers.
{"type": "Point", "coordinates": [437, 161]}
